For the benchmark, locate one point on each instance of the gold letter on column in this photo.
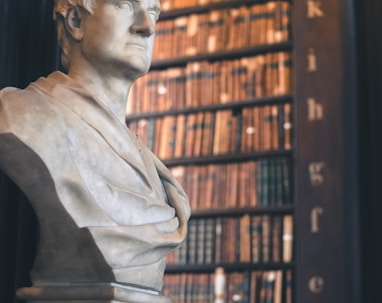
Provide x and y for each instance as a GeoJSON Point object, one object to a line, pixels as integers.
{"type": "Point", "coordinates": [314, 9]}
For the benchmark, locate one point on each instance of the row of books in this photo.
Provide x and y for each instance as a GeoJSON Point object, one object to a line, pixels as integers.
{"type": "Point", "coordinates": [273, 286]}
{"type": "Point", "coordinates": [262, 183]}
{"type": "Point", "coordinates": [260, 128]}
{"type": "Point", "coordinates": [205, 83]}
{"type": "Point", "coordinates": [223, 29]}
{"type": "Point", "coordinates": [177, 4]}
{"type": "Point", "coordinates": [250, 238]}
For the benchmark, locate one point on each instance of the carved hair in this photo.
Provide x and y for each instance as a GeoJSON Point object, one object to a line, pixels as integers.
{"type": "Point", "coordinates": [60, 10]}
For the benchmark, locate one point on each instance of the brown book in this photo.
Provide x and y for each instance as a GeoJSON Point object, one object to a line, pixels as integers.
{"type": "Point", "coordinates": [198, 133]}
{"type": "Point", "coordinates": [245, 238]}
{"type": "Point", "coordinates": [234, 126]}
{"type": "Point", "coordinates": [287, 126]}
{"type": "Point", "coordinates": [288, 286]}
{"type": "Point", "coordinates": [205, 91]}
{"type": "Point", "coordinates": [167, 148]}
{"type": "Point", "coordinates": [234, 28]}
{"type": "Point", "coordinates": [262, 24]}
{"type": "Point", "coordinates": [278, 287]}
{"type": "Point", "coordinates": [254, 294]}
{"type": "Point", "coordinates": [285, 20]}
{"type": "Point", "coordinates": [180, 100]}
{"type": "Point", "coordinates": [203, 184]}
{"type": "Point", "coordinates": [192, 35]}
{"type": "Point", "coordinates": [269, 280]}
{"type": "Point", "coordinates": [163, 137]}
{"type": "Point", "coordinates": [207, 133]}
{"type": "Point", "coordinates": [232, 184]}
{"type": "Point", "coordinates": [270, 21]}
{"type": "Point", "coordinates": [218, 132]}
{"type": "Point", "coordinates": [257, 129]}
{"type": "Point", "coordinates": [244, 80]}
{"type": "Point", "coordinates": [235, 76]}
{"type": "Point", "coordinates": [260, 76]}
{"type": "Point", "coordinates": [162, 92]}
{"type": "Point", "coordinates": [250, 77]}
{"type": "Point", "coordinates": [266, 127]}
{"type": "Point", "coordinates": [166, 5]}
{"type": "Point", "coordinates": [275, 136]}
{"type": "Point", "coordinates": [254, 27]}
{"type": "Point", "coordinates": [215, 74]}
{"type": "Point", "coordinates": [247, 130]}
{"type": "Point", "coordinates": [195, 185]}
{"type": "Point", "coordinates": [180, 135]}
{"type": "Point", "coordinates": [217, 30]}
{"type": "Point", "coordinates": [244, 198]}
{"type": "Point", "coordinates": [172, 75]}
{"type": "Point", "coordinates": [285, 72]}
{"type": "Point", "coordinates": [180, 36]}
{"type": "Point", "coordinates": [266, 238]}
{"type": "Point", "coordinates": [230, 81]}
{"type": "Point", "coordinates": [287, 238]}
{"type": "Point", "coordinates": [276, 238]}
{"type": "Point", "coordinates": [216, 194]}
{"type": "Point", "coordinates": [252, 183]}
{"type": "Point", "coordinates": [165, 45]}
{"type": "Point", "coordinates": [244, 24]}
{"type": "Point", "coordinates": [203, 32]}
{"type": "Point", "coordinates": [157, 136]}
{"type": "Point", "coordinates": [203, 2]}
{"type": "Point", "coordinates": [150, 92]}
{"type": "Point", "coordinates": [268, 75]}
{"type": "Point", "coordinates": [190, 134]}
{"type": "Point", "coordinates": [256, 239]}
{"type": "Point", "coordinates": [224, 96]}
{"type": "Point", "coordinates": [211, 176]}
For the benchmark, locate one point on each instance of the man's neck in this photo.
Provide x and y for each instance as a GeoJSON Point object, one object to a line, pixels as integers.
{"type": "Point", "coordinates": [112, 92]}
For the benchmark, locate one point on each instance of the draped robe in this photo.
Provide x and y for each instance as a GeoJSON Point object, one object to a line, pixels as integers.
{"type": "Point", "coordinates": [108, 209]}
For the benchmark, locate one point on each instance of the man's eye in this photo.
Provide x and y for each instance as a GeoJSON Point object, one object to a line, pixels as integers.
{"type": "Point", "coordinates": [125, 5]}
{"type": "Point", "coordinates": [154, 16]}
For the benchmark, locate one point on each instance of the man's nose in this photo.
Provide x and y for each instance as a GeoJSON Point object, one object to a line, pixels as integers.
{"type": "Point", "coordinates": [143, 24]}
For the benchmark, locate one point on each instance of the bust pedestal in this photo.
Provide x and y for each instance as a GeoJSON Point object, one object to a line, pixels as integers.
{"type": "Point", "coordinates": [89, 293]}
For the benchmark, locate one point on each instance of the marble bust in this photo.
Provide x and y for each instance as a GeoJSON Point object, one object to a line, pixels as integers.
{"type": "Point", "coordinates": [108, 210]}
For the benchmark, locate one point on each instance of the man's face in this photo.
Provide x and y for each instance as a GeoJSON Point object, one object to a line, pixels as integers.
{"type": "Point", "coordinates": [119, 36]}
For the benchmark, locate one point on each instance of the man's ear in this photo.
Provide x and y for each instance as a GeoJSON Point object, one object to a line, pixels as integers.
{"type": "Point", "coordinates": [73, 23]}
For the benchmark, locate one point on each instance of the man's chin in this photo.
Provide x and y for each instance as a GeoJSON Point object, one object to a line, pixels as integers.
{"type": "Point", "coordinates": [138, 67]}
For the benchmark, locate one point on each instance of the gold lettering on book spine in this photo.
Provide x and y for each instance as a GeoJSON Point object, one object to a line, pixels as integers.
{"type": "Point", "coordinates": [314, 219]}
{"type": "Point", "coordinates": [312, 60]}
{"type": "Point", "coordinates": [316, 173]}
{"type": "Point", "coordinates": [316, 285]}
{"type": "Point", "coordinates": [314, 9]}
{"type": "Point", "coordinates": [315, 110]}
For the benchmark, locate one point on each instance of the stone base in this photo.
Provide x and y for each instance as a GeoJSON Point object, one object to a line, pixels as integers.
{"type": "Point", "coordinates": [89, 293]}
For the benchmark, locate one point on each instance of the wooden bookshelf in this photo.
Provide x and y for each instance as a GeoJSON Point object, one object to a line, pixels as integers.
{"type": "Point", "coordinates": [234, 205]}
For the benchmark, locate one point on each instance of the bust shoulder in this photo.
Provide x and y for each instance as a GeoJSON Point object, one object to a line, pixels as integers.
{"type": "Point", "coordinates": [25, 111]}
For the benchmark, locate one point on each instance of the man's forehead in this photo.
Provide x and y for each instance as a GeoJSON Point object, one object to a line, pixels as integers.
{"type": "Point", "coordinates": [144, 3]}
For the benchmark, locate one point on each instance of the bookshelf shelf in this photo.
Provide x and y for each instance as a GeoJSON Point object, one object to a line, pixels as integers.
{"type": "Point", "coordinates": [237, 211]}
{"type": "Point", "coordinates": [198, 9]}
{"type": "Point", "coordinates": [228, 267]}
{"type": "Point", "coordinates": [233, 105]}
{"type": "Point", "coordinates": [222, 55]}
{"type": "Point", "coordinates": [218, 159]}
